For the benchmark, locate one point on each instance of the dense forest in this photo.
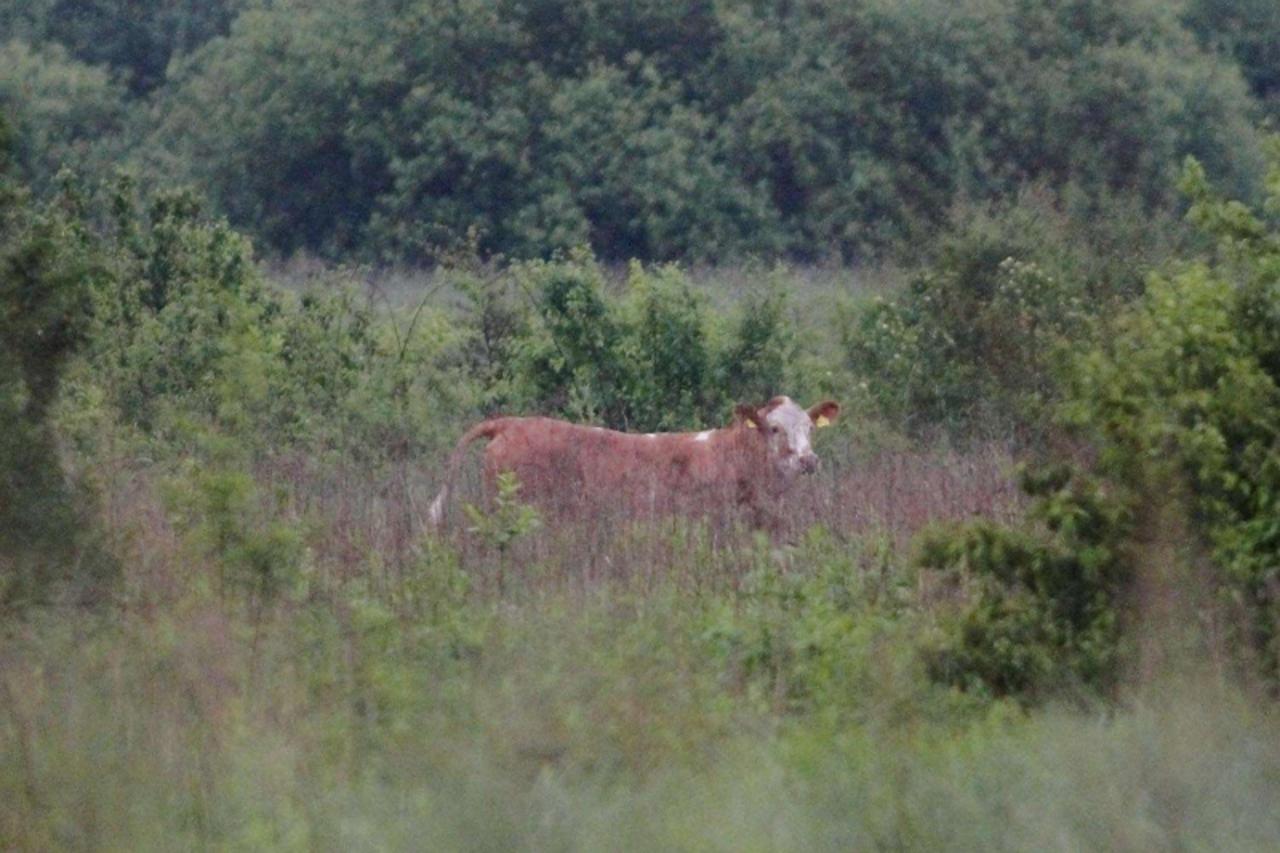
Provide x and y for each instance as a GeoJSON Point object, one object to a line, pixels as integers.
{"type": "Point", "coordinates": [262, 262]}
{"type": "Point", "coordinates": [695, 131]}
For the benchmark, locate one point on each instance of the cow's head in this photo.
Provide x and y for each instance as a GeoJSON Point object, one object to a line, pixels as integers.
{"type": "Point", "coordinates": [786, 429]}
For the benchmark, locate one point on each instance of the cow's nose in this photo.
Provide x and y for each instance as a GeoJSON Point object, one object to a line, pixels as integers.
{"type": "Point", "coordinates": [809, 464]}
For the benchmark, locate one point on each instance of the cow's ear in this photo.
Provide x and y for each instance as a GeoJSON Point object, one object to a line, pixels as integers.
{"type": "Point", "coordinates": [748, 416]}
{"type": "Point", "coordinates": [825, 413]}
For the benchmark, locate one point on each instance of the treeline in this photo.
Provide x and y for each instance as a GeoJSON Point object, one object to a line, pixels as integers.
{"type": "Point", "coordinates": [693, 130]}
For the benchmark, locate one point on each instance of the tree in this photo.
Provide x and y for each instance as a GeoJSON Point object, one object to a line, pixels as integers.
{"type": "Point", "coordinates": [62, 111]}
{"type": "Point", "coordinates": [135, 43]}
{"type": "Point", "coordinates": [1249, 31]}
{"type": "Point", "coordinates": [402, 129]}
{"type": "Point", "coordinates": [265, 121]}
{"type": "Point", "coordinates": [47, 265]}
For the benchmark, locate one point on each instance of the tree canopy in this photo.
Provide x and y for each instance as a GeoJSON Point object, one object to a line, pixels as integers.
{"type": "Point", "coordinates": [690, 130]}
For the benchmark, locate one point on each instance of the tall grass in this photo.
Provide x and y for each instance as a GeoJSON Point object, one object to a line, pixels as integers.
{"type": "Point", "coordinates": [654, 689]}
{"type": "Point", "coordinates": [578, 721]}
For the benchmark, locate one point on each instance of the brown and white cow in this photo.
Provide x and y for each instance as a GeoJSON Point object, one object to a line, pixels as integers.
{"type": "Point", "coordinates": [566, 468]}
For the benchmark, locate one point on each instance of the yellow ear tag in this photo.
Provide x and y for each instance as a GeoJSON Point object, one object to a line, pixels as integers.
{"type": "Point", "coordinates": [822, 421]}
{"type": "Point", "coordinates": [750, 424]}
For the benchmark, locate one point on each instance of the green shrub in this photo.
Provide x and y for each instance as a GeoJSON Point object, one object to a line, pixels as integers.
{"type": "Point", "coordinates": [758, 357]}
{"type": "Point", "coordinates": [652, 359]}
{"type": "Point", "coordinates": [187, 335]}
{"type": "Point", "coordinates": [669, 348]}
{"type": "Point", "coordinates": [1182, 397]}
{"type": "Point", "coordinates": [1044, 602]}
{"type": "Point", "coordinates": [807, 633]}
{"type": "Point", "coordinates": [576, 363]}
{"type": "Point", "coordinates": [496, 317]}
{"type": "Point", "coordinates": [183, 321]}
{"type": "Point", "coordinates": [1179, 398]}
{"type": "Point", "coordinates": [221, 510]}
{"type": "Point", "coordinates": [973, 339]}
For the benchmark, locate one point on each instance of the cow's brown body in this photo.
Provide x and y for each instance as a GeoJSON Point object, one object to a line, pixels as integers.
{"type": "Point", "coordinates": [569, 470]}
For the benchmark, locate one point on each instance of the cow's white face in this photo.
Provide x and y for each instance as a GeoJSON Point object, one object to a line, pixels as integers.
{"type": "Point", "coordinates": [788, 430]}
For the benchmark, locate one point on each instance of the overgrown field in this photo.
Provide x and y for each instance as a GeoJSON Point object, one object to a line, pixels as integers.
{"type": "Point", "coordinates": [336, 678]}
{"type": "Point", "coordinates": [1030, 601]}
{"type": "Point", "coordinates": [730, 701]}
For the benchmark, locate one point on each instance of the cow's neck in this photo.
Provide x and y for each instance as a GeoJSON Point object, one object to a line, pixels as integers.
{"type": "Point", "coordinates": [747, 448]}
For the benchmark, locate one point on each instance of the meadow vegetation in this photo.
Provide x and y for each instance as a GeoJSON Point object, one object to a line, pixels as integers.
{"type": "Point", "coordinates": [1031, 600]}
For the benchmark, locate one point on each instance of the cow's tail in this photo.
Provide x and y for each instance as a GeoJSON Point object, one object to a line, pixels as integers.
{"type": "Point", "coordinates": [485, 429]}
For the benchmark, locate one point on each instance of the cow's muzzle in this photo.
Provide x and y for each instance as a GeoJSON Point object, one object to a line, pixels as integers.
{"type": "Point", "coordinates": [809, 464]}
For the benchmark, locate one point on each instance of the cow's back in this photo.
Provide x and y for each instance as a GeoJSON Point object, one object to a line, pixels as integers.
{"type": "Point", "coordinates": [569, 466]}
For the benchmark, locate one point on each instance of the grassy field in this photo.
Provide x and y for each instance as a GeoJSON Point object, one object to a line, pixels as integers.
{"type": "Point", "coordinates": [655, 687]}
{"type": "Point", "coordinates": [266, 647]}
{"type": "Point", "coordinates": [262, 264]}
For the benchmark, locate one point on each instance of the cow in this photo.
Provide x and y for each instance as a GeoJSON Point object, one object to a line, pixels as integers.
{"type": "Point", "coordinates": [567, 468]}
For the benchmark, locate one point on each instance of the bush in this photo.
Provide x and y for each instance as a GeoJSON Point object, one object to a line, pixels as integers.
{"type": "Point", "coordinates": [1179, 397]}
{"type": "Point", "coordinates": [973, 339]}
{"type": "Point", "coordinates": [651, 360]}
{"type": "Point", "coordinates": [183, 321]}
{"type": "Point", "coordinates": [1043, 609]}
{"type": "Point", "coordinates": [808, 636]}
{"type": "Point", "coordinates": [219, 509]}
{"type": "Point", "coordinates": [1182, 396]}
{"type": "Point", "coordinates": [187, 335]}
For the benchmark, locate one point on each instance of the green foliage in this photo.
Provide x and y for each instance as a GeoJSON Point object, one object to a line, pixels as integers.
{"type": "Point", "coordinates": [496, 316]}
{"type": "Point", "coordinates": [136, 44]}
{"type": "Point", "coordinates": [47, 266]}
{"type": "Point", "coordinates": [802, 636]}
{"type": "Point", "coordinates": [689, 131]}
{"type": "Point", "coordinates": [1185, 388]}
{"type": "Point", "coordinates": [1248, 30]}
{"type": "Point", "coordinates": [262, 121]}
{"type": "Point", "coordinates": [758, 358]}
{"type": "Point", "coordinates": [652, 359]}
{"type": "Point", "coordinates": [620, 164]}
{"type": "Point", "coordinates": [1043, 612]}
{"type": "Point", "coordinates": [644, 180]}
{"type": "Point", "coordinates": [973, 339]}
{"type": "Point", "coordinates": [62, 112]}
{"type": "Point", "coordinates": [186, 336]}
{"type": "Point", "coordinates": [183, 319]}
{"type": "Point", "coordinates": [578, 363]}
{"type": "Point", "coordinates": [220, 509]}
{"type": "Point", "coordinates": [329, 346]}
{"type": "Point", "coordinates": [1179, 395]}
{"type": "Point", "coordinates": [670, 349]}
{"type": "Point", "coordinates": [508, 520]}
{"type": "Point", "coordinates": [1091, 127]}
